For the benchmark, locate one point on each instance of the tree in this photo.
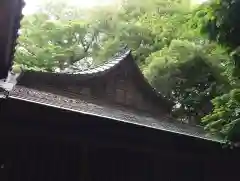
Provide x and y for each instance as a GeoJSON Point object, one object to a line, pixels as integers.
{"type": "Point", "coordinates": [226, 115]}
{"type": "Point", "coordinates": [219, 21]}
{"type": "Point", "coordinates": [189, 76]}
{"type": "Point", "coordinates": [51, 44]}
{"type": "Point", "coordinates": [221, 24]}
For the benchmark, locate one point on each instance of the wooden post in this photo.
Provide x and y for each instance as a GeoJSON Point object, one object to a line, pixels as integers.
{"type": "Point", "coordinates": [10, 16]}
{"type": "Point", "coordinates": [85, 169]}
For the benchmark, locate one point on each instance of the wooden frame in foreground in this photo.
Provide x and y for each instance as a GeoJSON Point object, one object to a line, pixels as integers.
{"type": "Point", "coordinates": [10, 17]}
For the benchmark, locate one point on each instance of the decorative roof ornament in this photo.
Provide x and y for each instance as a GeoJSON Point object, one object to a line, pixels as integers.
{"type": "Point", "coordinates": [7, 85]}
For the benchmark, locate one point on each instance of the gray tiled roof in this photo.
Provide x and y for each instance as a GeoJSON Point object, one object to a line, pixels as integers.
{"type": "Point", "coordinates": [121, 57]}
{"type": "Point", "coordinates": [83, 75]}
{"type": "Point", "coordinates": [108, 65]}
{"type": "Point", "coordinates": [115, 113]}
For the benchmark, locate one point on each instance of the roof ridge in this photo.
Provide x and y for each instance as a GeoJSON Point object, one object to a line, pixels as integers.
{"type": "Point", "coordinates": [112, 62]}
{"type": "Point", "coordinates": [151, 90]}
{"type": "Point", "coordinates": [120, 53]}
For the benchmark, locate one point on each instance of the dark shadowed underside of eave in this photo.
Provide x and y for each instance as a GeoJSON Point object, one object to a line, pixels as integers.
{"type": "Point", "coordinates": [115, 113]}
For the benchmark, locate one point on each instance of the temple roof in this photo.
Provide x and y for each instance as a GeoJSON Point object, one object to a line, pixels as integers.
{"type": "Point", "coordinates": [32, 87]}
{"type": "Point", "coordinates": [62, 90]}
{"type": "Point", "coordinates": [121, 67]}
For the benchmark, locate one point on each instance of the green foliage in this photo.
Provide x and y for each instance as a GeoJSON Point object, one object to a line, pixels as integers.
{"type": "Point", "coordinates": [49, 45]}
{"type": "Point", "coordinates": [226, 115]}
{"type": "Point", "coordinates": [187, 74]}
{"type": "Point", "coordinates": [220, 21]}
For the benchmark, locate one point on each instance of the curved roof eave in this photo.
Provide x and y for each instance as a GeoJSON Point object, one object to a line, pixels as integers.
{"type": "Point", "coordinates": [81, 75]}
{"type": "Point", "coordinates": [61, 79]}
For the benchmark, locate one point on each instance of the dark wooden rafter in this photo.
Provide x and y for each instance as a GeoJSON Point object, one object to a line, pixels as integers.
{"type": "Point", "coordinates": [10, 17]}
